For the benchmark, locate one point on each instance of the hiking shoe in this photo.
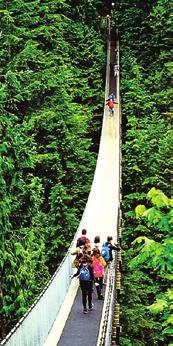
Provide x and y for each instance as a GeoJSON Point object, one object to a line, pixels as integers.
{"type": "Point", "coordinates": [91, 307]}
{"type": "Point", "coordinates": [85, 311]}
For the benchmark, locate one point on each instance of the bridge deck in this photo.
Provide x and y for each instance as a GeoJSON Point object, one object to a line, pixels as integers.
{"type": "Point", "coordinates": [80, 329]}
{"type": "Point", "coordinates": [99, 219]}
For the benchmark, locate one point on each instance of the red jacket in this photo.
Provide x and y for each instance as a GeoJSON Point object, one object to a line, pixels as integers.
{"type": "Point", "coordinates": [82, 241]}
{"type": "Point", "coordinates": [110, 104]}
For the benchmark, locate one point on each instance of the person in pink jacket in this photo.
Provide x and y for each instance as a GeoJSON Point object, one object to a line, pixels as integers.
{"type": "Point", "coordinates": [99, 265]}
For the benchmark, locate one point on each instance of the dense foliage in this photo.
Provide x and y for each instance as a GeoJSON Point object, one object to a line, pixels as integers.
{"type": "Point", "coordinates": [52, 78]}
{"type": "Point", "coordinates": [145, 41]}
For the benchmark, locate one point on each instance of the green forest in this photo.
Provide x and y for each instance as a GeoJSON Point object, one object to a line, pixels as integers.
{"type": "Point", "coordinates": [52, 79]}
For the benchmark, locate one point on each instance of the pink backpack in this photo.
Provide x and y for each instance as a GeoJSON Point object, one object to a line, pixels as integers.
{"type": "Point", "coordinates": [98, 269]}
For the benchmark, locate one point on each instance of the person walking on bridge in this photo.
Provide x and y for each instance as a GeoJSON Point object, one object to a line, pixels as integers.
{"type": "Point", "coordinates": [83, 240]}
{"type": "Point", "coordinates": [116, 70]}
{"type": "Point", "coordinates": [111, 247]}
{"type": "Point", "coordinates": [110, 103]}
{"type": "Point", "coordinates": [111, 97]}
{"type": "Point", "coordinates": [99, 265]}
{"type": "Point", "coordinates": [86, 278]}
{"type": "Point", "coordinates": [97, 244]}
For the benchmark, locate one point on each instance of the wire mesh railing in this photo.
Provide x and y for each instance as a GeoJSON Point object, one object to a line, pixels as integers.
{"type": "Point", "coordinates": [34, 327]}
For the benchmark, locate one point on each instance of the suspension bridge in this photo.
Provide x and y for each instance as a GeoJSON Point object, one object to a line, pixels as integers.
{"type": "Point", "coordinates": [56, 318]}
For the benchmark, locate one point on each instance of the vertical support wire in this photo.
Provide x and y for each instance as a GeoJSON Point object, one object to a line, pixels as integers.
{"type": "Point", "coordinates": [116, 315]}
{"type": "Point", "coordinates": [107, 301]}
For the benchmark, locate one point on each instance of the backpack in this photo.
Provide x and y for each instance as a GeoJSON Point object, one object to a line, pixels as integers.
{"type": "Point", "coordinates": [98, 269]}
{"type": "Point", "coordinates": [84, 274]}
{"type": "Point", "coordinates": [105, 252]}
{"type": "Point", "coordinates": [87, 248]}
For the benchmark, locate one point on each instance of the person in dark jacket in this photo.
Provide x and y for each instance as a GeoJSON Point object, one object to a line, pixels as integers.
{"type": "Point", "coordinates": [111, 97]}
{"type": "Point", "coordinates": [81, 241]}
{"type": "Point", "coordinates": [86, 283]}
{"type": "Point", "coordinates": [115, 247]}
